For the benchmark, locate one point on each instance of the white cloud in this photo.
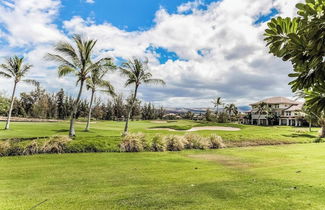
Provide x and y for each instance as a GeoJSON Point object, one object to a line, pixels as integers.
{"type": "Point", "coordinates": [222, 50]}
{"type": "Point", "coordinates": [29, 22]}
{"type": "Point", "coordinates": [189, 6]}
{"type": "Point", "coordinates": [90, 1]}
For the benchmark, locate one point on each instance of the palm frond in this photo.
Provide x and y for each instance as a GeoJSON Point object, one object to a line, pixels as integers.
{"type": "Point", "coordinates": [65, 48]}
{"type": "Point", "coordinates": [65, 70]}
{"type": "Point", "coordinates": [25, 69]}
{"type": "Point", "coordinates": [154, 81]}
{"type": "Point", "coordinates": [60, 60]}
{"type": "Point", "coordinates": [4, 74]}
{"type": "Point", "coordinates": [108, 88]}
{"type": "Point", "coordinates": [31, 82]}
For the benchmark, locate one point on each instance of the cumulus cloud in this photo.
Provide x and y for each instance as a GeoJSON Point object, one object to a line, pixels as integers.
{"type": "Point", "coordinates": [220, 48]}
{"type": "Point", "coordinates": [90, 1]}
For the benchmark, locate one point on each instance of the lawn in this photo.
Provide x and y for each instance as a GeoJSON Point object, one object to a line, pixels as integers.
{"type": "Point", "coordinates": [105, 135]}
{"type": "Point", "coordinates": [268, 177]}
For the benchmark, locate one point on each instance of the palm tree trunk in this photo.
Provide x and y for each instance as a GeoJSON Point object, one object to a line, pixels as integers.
{"type": "Point", "coordinates": [72, 131]}
{"type": "Point", "coordinates": [90, 109]}
{"type": "Point", "coordinates": [126, 128]}
{"type": "Point", "coordinates": [309, 125]}
{"type": "Point", "coordinates": [11, 107]}
{"type": "Point", "coordinates": [322, 132]}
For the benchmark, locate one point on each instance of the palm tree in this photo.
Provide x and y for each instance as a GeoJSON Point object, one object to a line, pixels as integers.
{"type": "Point", "coordinates": [231, 109]}
{"type": "Point", "coordinates": [95, 81]}
{"type": "Point", "coordinates": [216, 102]}
{"type": "Point", "coordinates": [137, 73]}
{"type": "Point", "coordinates": [75, 59]}
{"type": "Point", "coordinates": [15, 69]}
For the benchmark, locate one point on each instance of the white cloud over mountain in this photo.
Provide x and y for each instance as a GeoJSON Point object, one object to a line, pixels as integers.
{"type": "Point", "coordinates": [221, 49]}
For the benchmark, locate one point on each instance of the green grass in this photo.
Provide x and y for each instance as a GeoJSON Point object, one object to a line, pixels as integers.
{"type": "Point", "coordinates": [272, 177]}
{"type": "Point", "coordinates": [105, 135]}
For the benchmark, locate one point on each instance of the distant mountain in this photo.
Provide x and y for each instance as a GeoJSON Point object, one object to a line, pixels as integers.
{"type": "Point", "coordinates": [180, 110]}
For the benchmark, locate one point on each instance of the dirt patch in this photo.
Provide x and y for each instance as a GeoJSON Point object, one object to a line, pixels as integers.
{"type": "Point", "coordinates": [214, 128]}
{"type": "Point", "coordinates": [159, 121]}
{"type": "Point", "coordinates": [223, 160]}
{"type": "Point", "coordinates": [255, 143]}
{"type": "Point", "coordinates": [20, 119]}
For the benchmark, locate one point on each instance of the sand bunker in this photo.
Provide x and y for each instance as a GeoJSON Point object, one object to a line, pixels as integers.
{"type": "Point", "coordinates": [204, 128]}
{"type": "Point", "coordinates": [214, 128]}
{"type": "Point", "coordinates": [158, 121]}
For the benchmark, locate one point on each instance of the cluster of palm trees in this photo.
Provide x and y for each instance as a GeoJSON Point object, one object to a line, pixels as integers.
{"type": "Point", "coordinates": [230, 109]}
{"type": "Point", "coordinates": [77, 58]}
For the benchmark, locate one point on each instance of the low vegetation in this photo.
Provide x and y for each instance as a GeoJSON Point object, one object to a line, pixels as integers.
{"type": "Point", "coordinates": [272, 177]}
{"type": "Point", "coordinates": [29, 137]}
{"type": "Point", "coordinates": [131, 142]}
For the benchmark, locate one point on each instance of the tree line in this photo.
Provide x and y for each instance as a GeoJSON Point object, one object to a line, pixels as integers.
{"type": "Point", "coordinates": [44, 105]}
{"type": "Point", "coordinates": [77, 58]}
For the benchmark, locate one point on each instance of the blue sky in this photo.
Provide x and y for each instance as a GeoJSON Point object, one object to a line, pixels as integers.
{"type": "Point", "coordinates": [201, 48]}
{"type": "Point", "coordinates": [129, 15]}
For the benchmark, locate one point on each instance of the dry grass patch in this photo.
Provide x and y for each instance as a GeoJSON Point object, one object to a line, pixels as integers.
{"type": "Point", "coordinates": [223, 160]}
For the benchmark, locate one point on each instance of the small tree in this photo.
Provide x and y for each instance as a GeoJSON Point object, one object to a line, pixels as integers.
{"type": "Point", "coordinates": [137, 73]}
{"type": "Point", "coordinates": [96, 81]}
{"type": "Point", "coordinates": [300, 40]}
{"type": "Point", "coordinates": [15, 69]}
{"type": "Point", "coordinates": [217, 102]}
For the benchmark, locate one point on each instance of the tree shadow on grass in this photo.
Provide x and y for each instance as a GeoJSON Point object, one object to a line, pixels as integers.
{"type": "Point", "coordinates": [295, 135]}
{"type": "Point", "coordinates": [61, 130]}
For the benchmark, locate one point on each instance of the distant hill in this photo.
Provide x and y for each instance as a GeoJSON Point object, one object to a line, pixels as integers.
{"type": "Point", "coordinates": [180, 110]}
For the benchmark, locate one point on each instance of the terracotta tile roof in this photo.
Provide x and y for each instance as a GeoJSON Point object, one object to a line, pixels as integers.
{"type": "Point", "coordinates": [277, 100]}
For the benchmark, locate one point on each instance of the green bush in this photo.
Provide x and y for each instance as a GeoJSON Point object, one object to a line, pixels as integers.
{"type": "Point", "coordinates": [133, 142]}
{"type": "Point", "coordinates": [194, 141]}
{"type": "Point", "coordinates": [158, 144]}
{"type": "Point", "coordinates": [174, 143]}
{"type": "Point", "coordinates": [216, 142]}
{"type": "Point", "coordinates": [318, 140]}
{"type": "Point", "coordinates": [32, 148]}
{"type": "Point", "coordinates": [56, 144]}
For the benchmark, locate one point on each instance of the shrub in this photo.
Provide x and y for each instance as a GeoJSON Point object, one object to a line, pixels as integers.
{"type": "Point", "coordinates": [10, 148]}
{"type": "Point", "coordinates": [133, 143]}
{"type": "Point", "coordinates": [56, 144]}
{"type": "Point", "coordinates": [194, 141]}
{"type": "Point", "coordinates": [32, 148]}
{"type": "Point", "coordinates": [216, 142]}
{"type": "Point", "coordinates": [4, 147]}
{"type": "Point", "coordinates": [158, 144]}
{"type": "Point", "coordinates": [318, 140]}
{"type": "Point", "coordinates": [174, 143]}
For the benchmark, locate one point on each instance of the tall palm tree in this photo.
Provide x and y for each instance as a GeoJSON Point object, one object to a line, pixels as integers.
{"type": "Point", "coordinates": [216, 102]}
{"type": "Point", "coordinates": [15, 69]}
{"type": "Point", "coordinates": [137, 73]}
{"type": "Point", "coordinates": [75, 59]}
{"type": "Point", "coordinates": [96, 81]}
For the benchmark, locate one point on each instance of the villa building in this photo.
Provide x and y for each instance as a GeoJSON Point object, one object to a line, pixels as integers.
{"type": "Point", "coordinates": [276, 111]}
